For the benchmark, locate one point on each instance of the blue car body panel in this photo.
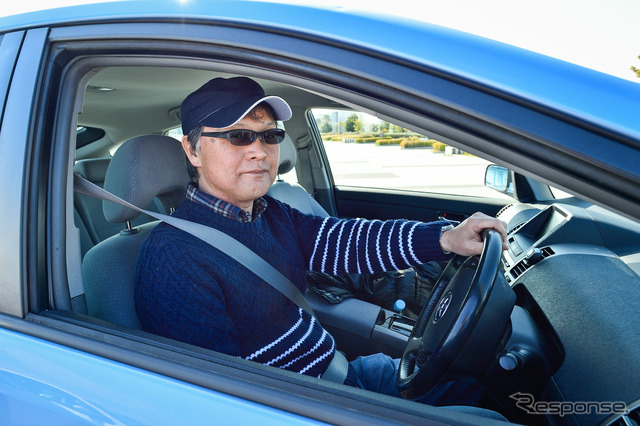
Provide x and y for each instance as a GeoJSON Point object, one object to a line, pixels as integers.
{"type": "Point", "coordinates": [9, 47]}
{"type": "Point", "coordinates": [45, 383]}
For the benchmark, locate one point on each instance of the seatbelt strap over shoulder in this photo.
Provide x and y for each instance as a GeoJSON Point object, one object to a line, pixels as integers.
{"type": "Point", "coordinates": [218, 239]}
{"type": "Point", "coordinates": [306, 179]}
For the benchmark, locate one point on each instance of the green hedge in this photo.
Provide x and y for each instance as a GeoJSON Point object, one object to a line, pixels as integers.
{"type": "Point", "coordinates": [366, 140]}
{"type": "Point", "coordinates": [403, 135]}
{"type": "Point", "coordinates": [438, 146]}
{"type": "Point", "coordinates": [387, 141]}
{"type": "Point", "coordinates": [415, 143]}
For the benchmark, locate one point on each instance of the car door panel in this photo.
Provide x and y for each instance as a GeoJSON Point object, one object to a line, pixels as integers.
{"type": "Point", "coordinates": [390, 204]}
{"type": "Point", "coordinates": [43, 383]}
{"type": "Point", "coordinates": [14, 137]}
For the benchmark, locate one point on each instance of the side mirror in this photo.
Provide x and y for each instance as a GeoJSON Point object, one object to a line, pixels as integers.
{"type": "Point", "coordinates": [499, 178]}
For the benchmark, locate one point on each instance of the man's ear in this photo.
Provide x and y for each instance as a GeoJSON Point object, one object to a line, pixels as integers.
{"type": "Point", "coordinates": [191, 153]}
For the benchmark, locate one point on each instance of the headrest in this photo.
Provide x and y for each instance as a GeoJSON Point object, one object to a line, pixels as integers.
{"type": "Point", "coordinates": [288, 155]}
{"type": "Point", "coordinates": [142, 169]}
{"type": "Point", "coordinates": [92, 169]}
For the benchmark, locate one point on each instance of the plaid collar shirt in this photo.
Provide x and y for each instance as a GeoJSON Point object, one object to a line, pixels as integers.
{"type": "Point", "coordinates": [224, 208]}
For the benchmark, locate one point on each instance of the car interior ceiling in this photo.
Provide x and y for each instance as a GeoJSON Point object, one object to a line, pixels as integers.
{"type": "Point", "coordinates": [153, 95]}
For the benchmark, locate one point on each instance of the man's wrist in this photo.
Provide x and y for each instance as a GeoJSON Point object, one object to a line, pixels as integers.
{"type": "Point", "coordinates": [443, 230]}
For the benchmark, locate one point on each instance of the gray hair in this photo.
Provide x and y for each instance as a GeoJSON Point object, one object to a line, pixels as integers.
{"type": "Point", "coordinates": [194, 143]}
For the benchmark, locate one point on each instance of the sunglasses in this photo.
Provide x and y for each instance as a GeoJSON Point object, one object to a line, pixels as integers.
{"type": "Point", "coordinates": [243, 137]}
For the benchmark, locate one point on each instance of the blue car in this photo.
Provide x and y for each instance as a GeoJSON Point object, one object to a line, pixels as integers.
{"type": "Point", "coordinates": [391, 119]}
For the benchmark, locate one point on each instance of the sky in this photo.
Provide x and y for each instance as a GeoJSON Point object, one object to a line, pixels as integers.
{"type": "Point", "coordinates": [598, 34]}
{"type": "Point", "coordinates": [602, 35]}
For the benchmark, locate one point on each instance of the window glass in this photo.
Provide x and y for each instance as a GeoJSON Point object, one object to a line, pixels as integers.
{"type": "Point", "coordinates": [175, 133]}
{"type": "Point", "coordinates": [86, 135]}
{"type": "Point", "coordinates": [365, 151]}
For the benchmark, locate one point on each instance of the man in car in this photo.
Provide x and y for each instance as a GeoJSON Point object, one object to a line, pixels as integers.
{"type": "Point", "coordinates": [189, 291]}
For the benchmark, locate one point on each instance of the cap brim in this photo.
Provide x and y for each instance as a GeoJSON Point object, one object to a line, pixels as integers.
{"type": "Point", "coordinates": [234, 113]}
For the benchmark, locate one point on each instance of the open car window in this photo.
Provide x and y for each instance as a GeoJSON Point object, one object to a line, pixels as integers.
{"type": "Point", "coordinates": [364, 151]}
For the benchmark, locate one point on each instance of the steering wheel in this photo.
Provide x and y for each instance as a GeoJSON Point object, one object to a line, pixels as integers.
{"type": "Point", "coordinates": [448, 320]}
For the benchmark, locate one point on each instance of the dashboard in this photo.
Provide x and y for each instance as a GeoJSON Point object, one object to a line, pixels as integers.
{"type": "Point", "coordinates": [574, 268]}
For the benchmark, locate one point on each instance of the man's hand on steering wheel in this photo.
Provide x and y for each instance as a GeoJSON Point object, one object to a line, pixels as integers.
{"type": "Point", "coordinates": [466, 238]}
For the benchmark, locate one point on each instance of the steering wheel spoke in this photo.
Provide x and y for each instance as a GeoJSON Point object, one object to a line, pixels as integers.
{"type": "Point", "coordinates": [413, 345]}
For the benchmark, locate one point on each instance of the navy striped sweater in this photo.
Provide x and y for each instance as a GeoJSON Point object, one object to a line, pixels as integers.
{"type": "Point", "coordinates": [187, 290]}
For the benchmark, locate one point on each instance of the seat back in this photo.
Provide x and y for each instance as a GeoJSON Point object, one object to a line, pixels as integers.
{"type": "Point", "coordinates": [89, 209]}
{"type": "Point", "coordinates": [293, 194]}
{"type": "Point", "coordinates": [89, 217]}
{"type": "Point", "coordinates": [143, 168]}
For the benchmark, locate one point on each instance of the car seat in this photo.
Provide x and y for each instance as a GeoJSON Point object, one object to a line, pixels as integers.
{"type": "Point", "coordinates": [293, 193]}
{"type": "Point", "coordinates": [143, 168]}
{"type": "Point", "coordinates": [89, 216]}
{"type": "Point", "coordinates": [89, 209]}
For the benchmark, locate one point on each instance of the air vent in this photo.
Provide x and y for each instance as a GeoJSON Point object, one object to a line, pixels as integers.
{"type": "Point", "coordinates": [547, 251]}
{"type": "Point", "coordinates": [515, 228]}
{"type": "Point", "coordinates": [504, 209]}
{"type": "Point", "coordinates": [522, 266]}
{"type": "Point", "coordinates": [519, 269]}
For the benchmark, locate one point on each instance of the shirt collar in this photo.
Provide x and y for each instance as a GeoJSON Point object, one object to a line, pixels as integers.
{"type": "Point", "coordinates": [224, 208]}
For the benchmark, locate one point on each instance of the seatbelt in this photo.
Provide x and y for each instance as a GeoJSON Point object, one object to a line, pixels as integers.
{"type": "Point", "coordinates": [218, 239]}
{"type": "Point", "coordinates": [306, 179]}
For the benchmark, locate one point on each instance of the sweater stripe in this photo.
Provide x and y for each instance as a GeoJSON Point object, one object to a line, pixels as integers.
{"type": "Point", "coordinates": [278, 340]}
{"type": "Point", "coordinates": [307, 353]}
{"type": "Point", "coordinates": [369, 246]}
{"type": "Point", "coordinates": [410, 243]}
{"type": "Point", "coordinates": [380, 261]}
{"type": "Point", "coordinates": [346, 252]}
{"type": "Point", "coordinates": [326, 246]}
{"type": "Point", "coordinates": [358, 246]}
{"type": "Point", "coordinates": [335, 263]}
{"type": "Point", "coordinates": [401, 246]}
{"type": "Point", "coordinates": [389, 255]}
{"type": "Point", "coordinates": [293, 348]}
{"type": "Point", "coordinates": [366, 249]}
{"type": "Point", "coordinates": [320, 358]}
{"type": "Point", "coordinates": [298, 355]}
{"type": "Point", "coordinates": [315, 247]}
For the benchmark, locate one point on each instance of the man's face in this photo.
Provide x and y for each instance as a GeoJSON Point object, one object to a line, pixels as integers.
{"type": "Point", "coordinates": [237, 174]}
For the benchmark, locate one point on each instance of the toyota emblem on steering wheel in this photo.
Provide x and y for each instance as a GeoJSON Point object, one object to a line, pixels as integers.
{"type": "Point", "coordinates": [442, 307]}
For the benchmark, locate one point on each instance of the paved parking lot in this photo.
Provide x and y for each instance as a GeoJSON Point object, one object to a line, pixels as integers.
{"type": "Point", "coordinates": [418, 169]}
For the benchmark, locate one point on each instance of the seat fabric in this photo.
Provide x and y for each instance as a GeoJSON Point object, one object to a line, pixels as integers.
{"type": "Point", "coordinates": [143, 168]}
{"type": "Point", "coordinates": [293, 194]}
{"type": "Point", "coordinates": [89, 216]}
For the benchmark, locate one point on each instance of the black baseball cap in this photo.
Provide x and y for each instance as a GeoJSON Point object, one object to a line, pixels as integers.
{"type": "Point", "coordinates": [222, 102]}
